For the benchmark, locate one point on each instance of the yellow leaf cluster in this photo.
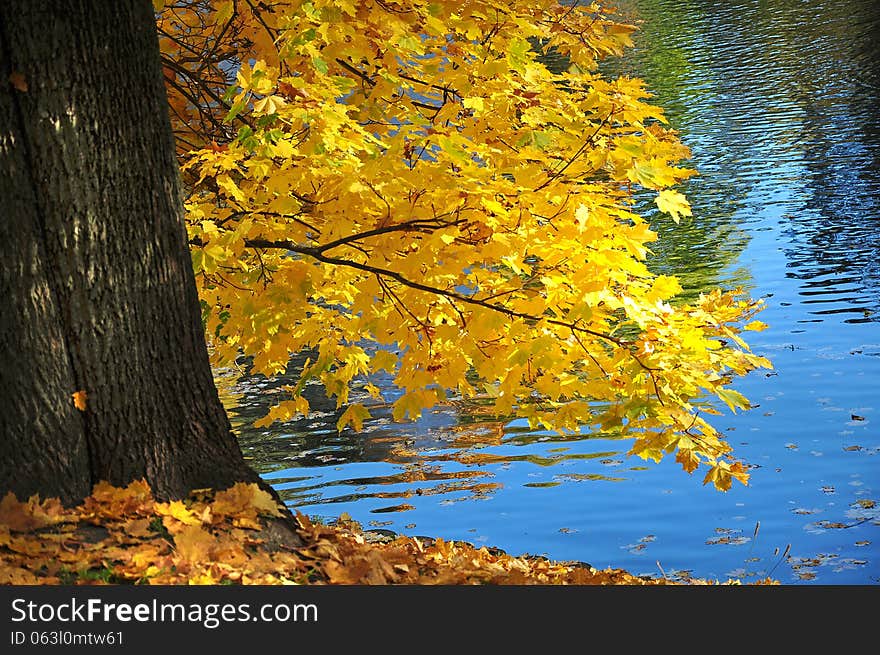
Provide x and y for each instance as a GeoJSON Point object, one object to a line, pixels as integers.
{"type": "Point", "coordinates": [419, 189]}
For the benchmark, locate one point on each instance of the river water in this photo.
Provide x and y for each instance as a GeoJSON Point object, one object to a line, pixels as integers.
{"type": "Point", "coordinates": [778, 101]}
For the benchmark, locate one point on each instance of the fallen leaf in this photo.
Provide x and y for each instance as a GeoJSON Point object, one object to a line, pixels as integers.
{"type": "Point", "coordinates": [194, 544]}
{"type": "Point", "coordinates": [17, 576]}
{"type": "Point", "coordinates": [177, 510]}
{"type": "Point", "coordinates": [117, 502]}
{"type": "Point", "coordinates": [22, 516]}
{"type": "Point", "coordinates": [79, 400]}
{"type": "Point", "coordinates": [263, 502]}
{"type": "Point", "coordinates": [139, 528]}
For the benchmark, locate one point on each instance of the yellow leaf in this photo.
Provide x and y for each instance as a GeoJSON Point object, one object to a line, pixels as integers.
{"type": "Point", "coordinates": [108, 500]}
{"type": "Point", "coordinates": [494, 206]}
{"type": "Point", "coordinates": [284, 411]}
{"type": "Point", "coordinates": [177, 510]}
{"type": "Point", "coordinates": [231, 188]}
{"type": "Point", "coordinates": [383, 360]}
{"type": "Point", "coordinates": [721, 474]}
{"type": "Point", "coordinates": [473, 103]}
{"type": "Point", "coordinates": [355, 414]}
{"type": "Point", "coordinates": [263, 502]}
{"type": "Point", "coordinates": [688, 459]}
{"type": "Point", "coordinates": [737, 470]}
{"type": "Point", "coordinates": [269, 105]}
{"type": "Point", "coordinates": [247, 522]}
{"type": "Point", "coordinates": [244, 500]}
{"type": "Point", "coordinates": [673, 203]}
{"type": "Point", "coordinates": [734, 399]}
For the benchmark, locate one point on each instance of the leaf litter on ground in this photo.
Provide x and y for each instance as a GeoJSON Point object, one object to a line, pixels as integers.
{"type": "Point", "coordinates": [123, 535]}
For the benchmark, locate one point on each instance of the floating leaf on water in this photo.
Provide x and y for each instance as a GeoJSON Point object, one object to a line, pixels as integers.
{"type": "Point", "coordinates": [393, 508]}
{"type": "Point", "coordinates": [735, 541]}
{"type": "Point", "coordinates": [583, 477]}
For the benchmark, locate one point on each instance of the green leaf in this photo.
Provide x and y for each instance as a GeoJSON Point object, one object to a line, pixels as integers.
{"type": "Point", "coordinates": [235, 110]}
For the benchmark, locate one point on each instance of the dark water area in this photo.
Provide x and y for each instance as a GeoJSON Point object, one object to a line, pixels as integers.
{"type": "Point", "coordinates": [778, 101]}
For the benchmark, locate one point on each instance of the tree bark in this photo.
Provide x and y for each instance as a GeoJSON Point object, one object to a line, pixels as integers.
{"type": "Point", "coordinates": [97, 292]}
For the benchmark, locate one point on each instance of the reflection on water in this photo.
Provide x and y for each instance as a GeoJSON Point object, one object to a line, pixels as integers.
{"type": "Point", "coordinates": [779, 104]}
{"type": "Point", "coordinates": [450, 449]}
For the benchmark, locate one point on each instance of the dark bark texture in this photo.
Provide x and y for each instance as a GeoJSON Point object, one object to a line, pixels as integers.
{"type": "Point", "coordinates": [97, 291]}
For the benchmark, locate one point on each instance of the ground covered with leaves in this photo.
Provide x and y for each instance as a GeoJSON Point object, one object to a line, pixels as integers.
{"type": "Point", "coordinates": [242, 536]}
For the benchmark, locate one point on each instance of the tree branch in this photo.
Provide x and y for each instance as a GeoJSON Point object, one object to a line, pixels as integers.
{"type": "Point", "coordinates": [556, 174]}
{"type": "Point", "coordinates": [318, 254]}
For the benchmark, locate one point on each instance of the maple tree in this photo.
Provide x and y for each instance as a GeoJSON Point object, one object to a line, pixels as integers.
{"type": "Point", "coordinates": [407, 187]}
{"type": "Point", "coordinates": [394, 186]}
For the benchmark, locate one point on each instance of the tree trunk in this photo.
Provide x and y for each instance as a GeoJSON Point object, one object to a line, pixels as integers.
{"type": "Point", "coordinates": [97, 292]}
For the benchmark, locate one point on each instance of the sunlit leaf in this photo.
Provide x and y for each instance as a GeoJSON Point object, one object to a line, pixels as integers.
{"type": "Point", "coordinates": [673, 203]}
{"type": "Point", "coordinates": [79, 400]}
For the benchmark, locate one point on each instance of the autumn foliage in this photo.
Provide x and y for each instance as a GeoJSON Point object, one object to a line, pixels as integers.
{"type": "Point", "coordinates": [409, 189]}
{"type": "Point", "coordinates": [123, 536]}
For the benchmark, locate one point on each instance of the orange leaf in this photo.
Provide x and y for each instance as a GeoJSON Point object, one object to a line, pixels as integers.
{"type": "Point", "coordinates": [290, 92]}
{"type": "Point", "coordinates": [18, 82]}
{"type": "Point", "coordinates": [17, 576]}
{"type": "Point", "coordinates": [194, 544]}
{"type": "Point", "coordinates": [24, 516]}
{"type": "Point", "coordinates": [234, 501]}
{"type": "Point", "coordinates": [139, 528]}
{"type": "Point", "coordinates": [107, 500]}
{"type": "Point", "coordinates": [79, 399]}
{"type": "Point", "coordinates": [244, 499]}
